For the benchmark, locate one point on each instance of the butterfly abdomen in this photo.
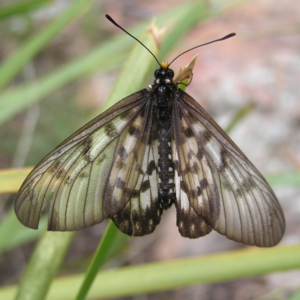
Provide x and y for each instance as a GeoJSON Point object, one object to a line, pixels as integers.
{"type": "Point", "coordinates": [165, 169]}
{"type": "Point", "coordinates": [165, 161]}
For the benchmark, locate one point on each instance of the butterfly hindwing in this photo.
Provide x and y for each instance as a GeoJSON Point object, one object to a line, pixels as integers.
{"type": "Point", "coordinates": [141, 213]}
{"type": "Point", "coordinates": [190, 224]}
{"type": "Point", "coordinates": [221, 184]}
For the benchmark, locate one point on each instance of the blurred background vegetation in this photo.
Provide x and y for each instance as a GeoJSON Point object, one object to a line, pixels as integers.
{"type": "Point", "coordinates": [59, 62]}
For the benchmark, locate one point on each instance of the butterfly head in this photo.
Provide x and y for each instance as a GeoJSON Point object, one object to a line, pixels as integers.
{"type": "Point", "coordinates": [164, 75]}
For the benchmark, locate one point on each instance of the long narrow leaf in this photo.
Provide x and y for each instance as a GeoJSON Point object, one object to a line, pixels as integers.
{"type": "Point", "coordinates": [44, 263]}
{"type": "Point", "coordinates": [11, 10]}
{"type": "Point", "coordinates": [12, 66]}
{"type": "Point", "coordinates": [163, 276]}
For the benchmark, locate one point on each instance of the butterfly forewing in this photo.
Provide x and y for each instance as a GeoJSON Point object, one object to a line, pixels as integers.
{"type": "Point", "coordinates": [234, 199]}
{"type": "Point", "coordinates": [64, 179]}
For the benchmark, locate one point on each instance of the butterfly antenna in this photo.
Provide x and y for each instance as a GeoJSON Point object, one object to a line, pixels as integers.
{"type": "Point", "coordinates": [218, 40]}
{"type": "Point", "coordinates": [116, 24]}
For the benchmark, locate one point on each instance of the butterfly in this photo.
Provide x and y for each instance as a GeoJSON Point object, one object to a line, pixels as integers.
{"type": "Point", "coordinates": [155, 148]}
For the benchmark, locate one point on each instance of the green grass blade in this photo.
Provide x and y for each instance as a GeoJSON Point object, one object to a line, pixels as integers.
{"type": "Point", "coordinates": [12, 65]}
{"type": "Point", "coordinates": [162, 276]}
{"type": "Point", "coordinates": [13, 233]}
{"type": "Point", "coordinates": [180, 273]}
{"type": "Point", "coordinates": [11, 10]}
{"type": "Point", "coordinates": [239, 116]}
{"type": "Point", "coordinates": [295, 296]}
{"type": "Point", "coordinates": [11, 179]}
{"type": "Point", "coordinates": [105, 250]}
{"type": "Point", "coordinates": [285, 179]}
{"type": "Point", "coordinates": [43, 265]}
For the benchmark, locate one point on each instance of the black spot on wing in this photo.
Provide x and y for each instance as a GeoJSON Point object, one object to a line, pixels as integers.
{"type": "Point", "coordinates": [87, 144]}
{"type": "Point", "coordinates": [68, 180]}
{"type": "Point", "coordinates": [195, 168]}
{"type": "Point", "coordinates": [205, 137]}
{"type": "Point", "coordinates": [55, 167]}
{"type": "Point", "coordinates": [83, 175]}
{"type": "Point", "coordinates": [190, 154]}
{"type": "Point", "coordinates": [120, 164]}
{"type": "Point", "coordinates": [145, 186]}
{"type": "Point", "coordinates": [120, 184]}
{"type": "Point", "coordinates": [187, 170]}
{"type": "Point", "coordinates": [60, 173]}
{"type": "Point", "coordinates": [138, 168]}
{"type": "Point", "coordinates": [188, 132]}
{"type": "Point", "coordinates": [134, 131]}
{"type": "Point", "coordinates": [190, 224]}
{"type": "Point", "coordinates": [196, 193]}
{"type": "Point", "coordinates": [151, 167]}
{"type": "Point", "coordinates": [224, 156]}
{"type": "Point", "coordinates": [226, 185]}
{"type": "Point", "coordinates": [125, 115]}
{"type": "Point", "coordinates": [183, 186]}
{"type": "Point", "coordinates": [110, 130]}
{"type": "Point", "coordinates": [249, 182]}
{"type": "Point", "coordinates": [239, 192]}
{"type": "Point", "coordinates": [199, 154]}
{"type": "Point", "coordinates": [203, 183]}
{"type": "Point", "coordinates": [135, 194]}
{"type": "Point", "coordinates": [122, 153]}
{"type": "Point", "coordinates": [246, 185]}
{"type": "Point", "coordinates": [107, 195]}
{"type": "Point", "coordinates": [138, 222]}
{"type": "Point", "coordinates": [87, 157]}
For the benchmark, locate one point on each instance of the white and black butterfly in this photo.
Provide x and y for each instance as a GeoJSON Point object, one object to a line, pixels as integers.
{"type": "Point", "coordinates": [154, 148]}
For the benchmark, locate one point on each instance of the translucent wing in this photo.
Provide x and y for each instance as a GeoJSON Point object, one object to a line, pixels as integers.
{"type": "Point", "coordinates": [93, 174]}
{"type": "Point", "coordinates": [217, 187]}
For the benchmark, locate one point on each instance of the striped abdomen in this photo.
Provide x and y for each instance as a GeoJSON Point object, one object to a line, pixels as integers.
{"type": "Point", "coordinates": [165, 161]}
{"type": "Point", "coordinates": [165, 169]}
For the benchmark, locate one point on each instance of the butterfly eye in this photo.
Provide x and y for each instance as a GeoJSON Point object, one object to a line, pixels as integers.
{"type": "Point", "coordinates": [157, 73]}
{"type": "Point", "coordinates": [170, 73]}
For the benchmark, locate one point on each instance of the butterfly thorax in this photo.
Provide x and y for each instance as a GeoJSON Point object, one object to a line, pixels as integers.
{"type": "Point", "coordinates": [164, 90]}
